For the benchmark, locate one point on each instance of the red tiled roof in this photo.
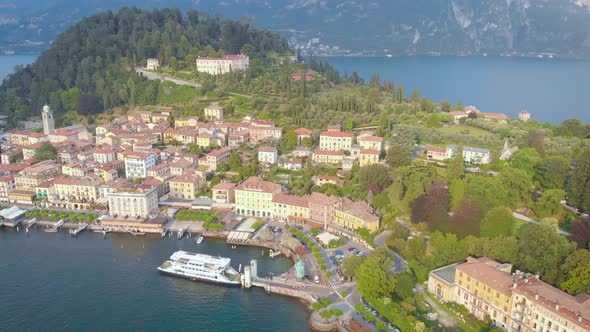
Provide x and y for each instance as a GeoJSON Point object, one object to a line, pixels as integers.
{"type": "Point", "coordinates": [371, 151]}
{"type": "Point", "coordinates": [224, 186]}
{"type": "Point", "coordinates": [331, 153]}
{"type": "Point", "coordinates": [370, 138]}
{"type": "Point", "coordinates": [303, 132]}
{"type": "Point", "coordinates": [256, 184]}
{"type": "Point", "coordinates": [336, 134]}
{"type": "Point", "coordinates": [290, 200]}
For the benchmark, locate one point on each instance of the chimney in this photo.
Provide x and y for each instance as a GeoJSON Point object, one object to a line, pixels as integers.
{"type": "Point", "coordinates": [579, 316]}
{"type": "Point", "coordinates": [557, 305]}
{"type": "Point", "coordinates": [536, 294]}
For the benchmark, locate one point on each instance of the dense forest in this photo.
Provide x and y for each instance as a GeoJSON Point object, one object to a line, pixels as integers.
{"type": "Point", "coordinates": [96, 57]}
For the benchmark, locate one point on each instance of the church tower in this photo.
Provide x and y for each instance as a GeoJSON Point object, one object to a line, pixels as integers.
{"type": "Point", "coordinates": [48, 121]}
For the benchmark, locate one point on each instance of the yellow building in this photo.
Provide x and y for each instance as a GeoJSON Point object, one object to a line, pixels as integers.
{"type": "Point", "coordinates": [327, 157]}
{"type": "Point", "coordinates": [368, 157]}
{"type": "Point", "coordinates": [29, 178]}
{"type": "Point", "coordinates": [290, 208]}
{"type": "Point", "coordinates": [204, 140]}
{"type": "Point", "coordinates": [254, 197]}
{"type": "Point", "coordinates": [186, 122]}
{"type": "Point", "coordinates": [185, 186]}
{"type": "Point", "coordinates": [353, 215]}
{"type": "Point", "coordinates": [77, 189]}
{"type": "Point", "coordinates": [441, 283]}
{"type": "Point", "coordinates": [370, 142]}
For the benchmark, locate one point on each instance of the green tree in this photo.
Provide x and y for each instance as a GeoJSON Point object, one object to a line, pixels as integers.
{"type": "Point", "coordinates": [525, 160]}
{"type": "Point", "coordinates": [289, 141]}
{"type": "Point", "coordinates": [577, 272]}
{"type": "Point", "coordinates": [445, 106]}
{"type": "Point", "coordinates": [375, 174]}
{"type": "Point", "coordinates": [549, 203]}
{"type": "Point", "coordinates": [404, 287]}
{"type": "Point", "coordinates": [518, 185]}
{"type": "Point", "coordinates": [457, 191]}
{"type": "Point", "coordinates": [46, 152]}
{"type": "Point", "coordinates": [578, 186]}
{"type": "Point", "coordinates": [372, 278]}
{"type": "Point", "coordinates": [497, 222]}
{"type": "Point", "coordinates": [433, 120]}
{"type": "Point", "coordinates": [350, 265]}
{"type": "Point", "coordinates": [235, 162]}
{"type": "Point", "coordinates": [399, 155]}
{"type": "Point", "coordinates": [551, 172]}
{"type": "Point", "coordinates": [455, 167]}
{"type": "Point", "coordinates": [542, 250]}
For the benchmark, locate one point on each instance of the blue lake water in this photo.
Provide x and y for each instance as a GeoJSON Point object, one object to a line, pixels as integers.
{"type": "Point", "coordinates": [52, 282]}
{"type": "Point", "coordinates": [551, 89]}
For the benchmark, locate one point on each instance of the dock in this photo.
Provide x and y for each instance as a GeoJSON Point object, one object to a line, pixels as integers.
{"type": "Point", "coordinates": [31, 223]}
{"type": "Point", "coordinates": [180, 233]}
{"type": "Point", "coordinates": [78, 230]}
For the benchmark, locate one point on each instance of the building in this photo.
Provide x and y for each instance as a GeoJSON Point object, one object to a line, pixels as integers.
{"type": "Point", "coordinates": [153, 64]}
{"type": "Point", "coordinates": [333, 140]}
{"type": "Point", "coordinates": [138, 163]}
{"type": "Point", "coordinates": [32, 176]}
{"type": "Point", "coordinates": [48, 120]}
{"type": "Point", "coordinates": [294, 164]}
{"type": "Point", "coordinates": [224, 192]}
{"type": "Point", "coordinates": [441, 283]}
{"type": "Point", "coordinates": [524, 116]}
{"type": "Point", "coordinates": [133, 201]}
{"type": "Point", "coordinates": [254, 197]}
{"type": "Point", "coordinates": [436, 152]}
{"type": "Point", "coordinates": [321, 208]}
{"type": "Point", "coordinates": [103, 156]}
{"type": "Point", "coordinates": [471, 155]}
{"type": "Point", "coordinates": [74, 192]}
{"type": "Point", "coordinates": [538, 306]}
{"type": "Point", "coordinates": [6, 186]}
{"type": "Point", "coordinates": [290, 208]}
{"type": "Point", "coordinates": [303, 133]}
{"type": "Point", "coordinates": [216, 157]}
{"type": "Point", "coordinates": [214, 113]}
{"type": "Point", "coordinates": [327, 157]}
{"type": "Point", "coordinates": [268, 155]}
{"type": "Point", "coordinates": [370, 142]}
{"type": "Point", "coordinates": [354, 215]}
{"type": "Point", "coordinates": [186, 186]}
{"type": "Point", "coordinates": [368, 157]}
{"type": "Point", "coordinates": [224, 65]}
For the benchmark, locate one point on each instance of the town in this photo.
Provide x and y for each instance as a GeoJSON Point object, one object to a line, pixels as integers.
{"type": "Point", "coordinates": [139, 172]}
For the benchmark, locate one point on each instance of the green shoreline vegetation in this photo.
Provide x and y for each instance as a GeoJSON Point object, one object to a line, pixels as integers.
{"type": "Point", "coordinates": [454, 210]}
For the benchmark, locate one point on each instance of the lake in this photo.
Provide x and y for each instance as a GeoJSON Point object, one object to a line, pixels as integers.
{"type": "Point", "coordinates": [53, 282]}
{"type": "Point", "coordinates": [551, 89]}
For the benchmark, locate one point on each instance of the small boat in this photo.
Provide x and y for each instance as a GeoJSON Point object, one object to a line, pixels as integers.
{"type": "Point", "coordinates": [137, 233]}
{"type": "Point", "coordinates": [199, 239]}
{"type": "Point", "coordinates": [51, 230]}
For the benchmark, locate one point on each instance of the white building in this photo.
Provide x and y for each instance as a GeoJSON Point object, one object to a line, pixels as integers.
{"type": "Point", "coordinates": [133, 202]}
{"type": "Point", "coordinates": [153, 64]}
{"type": "Point", "coordinates": [268, 155]}
{"type": "Point", "coordinates": [524, 116]}
{"type": "Point", "coordinates": [218, 66]}
{"type": "Point", "coordinates": [214, 113]}
{"type": "Point", "coordinates": [48, 120]}
{"type": "Point", "coordinates": [333, 140]}
{"type": "Point", "coordinates": [138, 163]}
{"type": "Point", "coordinates": [471, 155]}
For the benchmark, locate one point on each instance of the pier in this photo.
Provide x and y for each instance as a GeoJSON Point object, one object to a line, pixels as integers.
{"type": "Point", "coordinates": [180, 233]}
{"type": "Point", "coordinates": [31, 223]}
{"type": "Point", "coordinates": [78, 230]}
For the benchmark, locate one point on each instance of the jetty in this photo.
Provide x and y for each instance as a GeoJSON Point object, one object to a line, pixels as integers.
{"type": "Point", "coordinates": [181, 231]}
{"type": "Point", "coordinates": [31, 223]}
{"type": "Point", "coordinates": [78, 230]}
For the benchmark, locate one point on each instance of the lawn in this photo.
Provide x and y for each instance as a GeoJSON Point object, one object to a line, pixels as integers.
{"type": "Point", "coordinates": [463, 130]}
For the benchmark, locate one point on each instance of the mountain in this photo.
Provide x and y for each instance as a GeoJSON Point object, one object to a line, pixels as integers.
{"type": "Point", "coordinates": [399, 27]}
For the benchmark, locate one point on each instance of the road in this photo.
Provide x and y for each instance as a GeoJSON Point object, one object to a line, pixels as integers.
{"type": "Point", "coordinates": [532, 221]}
{"type": "Point", "coordinates": [154, 76]}
{"type": "Point", "coordinates": [443, 316]}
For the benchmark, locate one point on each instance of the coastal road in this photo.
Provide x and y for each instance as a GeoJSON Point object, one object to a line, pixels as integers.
{"type": "Point", "coordinates": [155, 76]}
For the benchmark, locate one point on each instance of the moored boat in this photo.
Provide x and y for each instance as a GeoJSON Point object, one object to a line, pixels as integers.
{"type": "Point", "coordinates": [201, 267]}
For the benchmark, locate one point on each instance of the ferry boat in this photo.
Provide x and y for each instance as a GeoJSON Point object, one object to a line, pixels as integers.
{"type": "Point", "coordinates": [201, 267]}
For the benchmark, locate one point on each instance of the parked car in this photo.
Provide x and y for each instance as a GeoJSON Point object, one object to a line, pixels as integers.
{"type": "Point", "coordinates": [339, 254]}
{"type": "Point", "coordinates": [316, 279]}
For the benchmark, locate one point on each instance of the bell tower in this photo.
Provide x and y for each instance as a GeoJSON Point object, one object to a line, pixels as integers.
{"type": "Point", "coordinates": [48, 121]}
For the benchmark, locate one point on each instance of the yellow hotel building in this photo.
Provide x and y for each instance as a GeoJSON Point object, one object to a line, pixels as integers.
{"type": "Point", "coordinates": [254, 197]}
{"type": "Point", "coordinates": [353, 215]}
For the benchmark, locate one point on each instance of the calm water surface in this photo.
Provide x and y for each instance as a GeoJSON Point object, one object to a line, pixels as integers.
{"type": "Point", "coordinates": [551, 89]}
{"type": "Point", "coordinates": [55, 282]}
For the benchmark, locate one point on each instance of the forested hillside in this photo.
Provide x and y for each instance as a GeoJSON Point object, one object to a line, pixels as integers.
{"type": "Point", "coordinates": [96, 57]}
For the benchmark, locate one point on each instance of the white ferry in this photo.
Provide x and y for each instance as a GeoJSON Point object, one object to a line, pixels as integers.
{"type": "Point", "coordinates": [201, 267]}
